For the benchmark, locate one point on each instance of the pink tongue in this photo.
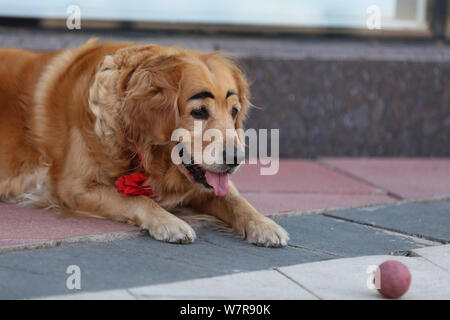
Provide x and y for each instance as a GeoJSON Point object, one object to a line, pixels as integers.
{"type": "Point", "coordinates": [219, 181]}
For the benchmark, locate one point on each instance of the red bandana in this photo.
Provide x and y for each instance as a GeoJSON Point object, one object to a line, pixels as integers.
{"type": "Point", "coordinates": [134, 184]}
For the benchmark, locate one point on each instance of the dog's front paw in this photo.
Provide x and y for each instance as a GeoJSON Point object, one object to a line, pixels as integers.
{"type": "Point", "coordinates": [172, 229]}
{"type": "Point", "coordinates": [265, 232]}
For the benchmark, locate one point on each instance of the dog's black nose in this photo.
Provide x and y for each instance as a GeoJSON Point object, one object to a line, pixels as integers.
{"type": "Point", "coordinates": [233, 157]}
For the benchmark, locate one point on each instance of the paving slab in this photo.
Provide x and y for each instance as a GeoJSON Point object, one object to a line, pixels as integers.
{"type": "Point", "coordinates": [261, 285]}
{"type": "Point", "coordinates": [298, 176]}
{"type": "Point", "coordinates": [265, 284]}
{"type": "Point", "coordinates": [347, 278]}
{"type": "Point", "coordinates": [21, 226]}
{"type": "Point", "coordinates": [430, 220]}
{"type": "Point", "coordinates": [408, 178]}
{"type": "Point", "coordinates": [138, 262]}
{"type": "Point", "coordinates": [333, 279]}
{"type": "Point", "coordinates": [273, 203]}
{"type": "Point", "coordinates": [143, 261]}
{"type": "Point", "coordinates": [345, 239]}
{"type": "Point", "coordinates": [119, 294]}
{"type": "Point", "coordinates": [438, 255]}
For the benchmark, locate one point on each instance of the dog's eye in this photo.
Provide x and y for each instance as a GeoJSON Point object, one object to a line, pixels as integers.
{"type": "Point", "coordinates": [234, 112]}
{"type": "Point", "coordinates": [200, 113]}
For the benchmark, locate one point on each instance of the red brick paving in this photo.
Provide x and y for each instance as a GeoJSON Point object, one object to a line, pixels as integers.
{"type": "Point", "coordinates": [299, 176]}
{"type": "Point", "coordinates": [408, 178]}
{"type": "Point", "coordinates": [300, 185]}
{"type": "Point", "coordinates": [25, 225]}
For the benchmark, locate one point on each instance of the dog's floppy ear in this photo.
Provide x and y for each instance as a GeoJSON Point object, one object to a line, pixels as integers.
{"type": "Point", "coordinates": [134, 94]}
{"type": "Point", "coordinates": [150, 97]}
{"type": "Point", "coordinates": [244, 96]}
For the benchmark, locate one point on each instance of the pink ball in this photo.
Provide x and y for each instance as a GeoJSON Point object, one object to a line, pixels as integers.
{"type": "Point", "coordinates": [393, 279]}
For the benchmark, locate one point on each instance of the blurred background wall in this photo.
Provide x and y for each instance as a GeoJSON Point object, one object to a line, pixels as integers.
{"type": "Point", "coordinates": [337, 77]}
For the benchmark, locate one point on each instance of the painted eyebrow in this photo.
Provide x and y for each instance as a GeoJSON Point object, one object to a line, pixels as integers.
{"type": "Point", "coordinates": [202, 95]}
{"type": "Point", "coordinates": [230, 93]}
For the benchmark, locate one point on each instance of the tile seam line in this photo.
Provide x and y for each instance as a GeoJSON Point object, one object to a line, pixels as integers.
{"type": "Point", "coordinates": [296, 247]}
{"type": "Point", "coordinates": [298, 283]}
{"type": "Point", "coordinates": [414, 235]}
{"type": "Point", "coordinates": [299, 213]}
{"type": "Point", "coordinates": [417, 255]}
{"type": "Point", "coordinates": [343, 172]}
{"type": "Point", "coordinates": [333, 255]}
{"type": "Point", "coordinates": [128, 290]}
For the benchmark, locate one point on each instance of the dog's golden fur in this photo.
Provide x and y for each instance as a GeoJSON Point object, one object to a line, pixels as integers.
{"type": "Point", "coordinates": [72, 121]}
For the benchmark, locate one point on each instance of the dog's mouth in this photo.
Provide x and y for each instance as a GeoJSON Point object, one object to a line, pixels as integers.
{"type": "Point", "coordinates": [208, 179]}
{"type": "Point", "coordinates": [197, 173]}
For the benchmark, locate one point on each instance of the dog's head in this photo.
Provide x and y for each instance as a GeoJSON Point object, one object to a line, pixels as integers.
{"type": "Point", "coordinates": [145, 93]}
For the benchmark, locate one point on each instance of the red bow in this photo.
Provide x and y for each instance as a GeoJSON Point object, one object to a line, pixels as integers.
{"type": "Point", "coordinates": [134, 184]}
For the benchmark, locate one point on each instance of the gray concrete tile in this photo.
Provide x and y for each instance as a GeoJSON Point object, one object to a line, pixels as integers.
{"type": "Point", "coordinates": [265, 284]}
{"type": "Point", "coordinates": [427, 219]}
{"type": "Point", "coordinates": [122, 294]}
{"type": "Point", "coordinates": [143, 261]}
{"type": "Point", "coordinates": [347, 278]}
{"type": "Point", "coordinates": [344, 239]}
{"type": "Point", "coordinates": [137, 262]}
{"type": "Point", "coordinates": [438, 255]}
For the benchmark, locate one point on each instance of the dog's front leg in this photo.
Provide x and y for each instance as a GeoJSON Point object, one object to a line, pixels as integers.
{"type": "Point", "coordinates": [106, 202]}
{"type": "Point", "coordinates": [245, 220]}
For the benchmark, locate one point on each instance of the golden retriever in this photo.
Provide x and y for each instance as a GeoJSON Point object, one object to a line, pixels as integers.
{"type": "Point", "coordinates": [73, 121]}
